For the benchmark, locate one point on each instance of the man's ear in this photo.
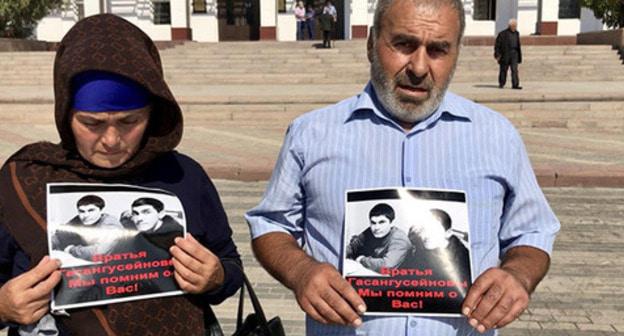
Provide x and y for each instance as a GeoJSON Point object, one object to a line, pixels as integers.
{"type": "Point", "coordinates": [370, 44]}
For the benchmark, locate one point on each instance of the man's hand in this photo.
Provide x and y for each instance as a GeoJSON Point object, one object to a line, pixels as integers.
{"type": "Point", "coordinates": [25, 298]}
{"type": "Point", "coordinates": [495, 299]}
{"type": "Point", "coordinates": [327, 297]}
{"type": "Point", "coordinates": [501, 294]}
{"type": "Point", "coordinates": [197, 270]}
{"type": "Point", "coordinates": [320, 290]}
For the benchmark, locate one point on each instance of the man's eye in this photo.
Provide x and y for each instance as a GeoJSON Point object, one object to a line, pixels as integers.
{"type": "Point", "coordinates": [437, 52]}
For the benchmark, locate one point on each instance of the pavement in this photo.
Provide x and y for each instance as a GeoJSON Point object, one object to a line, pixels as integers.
{"type": "Point", "coordinates": [574, 131]}
{"type": "Point", "coordinates": [582, 295]}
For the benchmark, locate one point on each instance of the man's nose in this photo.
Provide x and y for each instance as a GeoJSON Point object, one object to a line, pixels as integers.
{"type": "Point", "coordinates": [419, 63]}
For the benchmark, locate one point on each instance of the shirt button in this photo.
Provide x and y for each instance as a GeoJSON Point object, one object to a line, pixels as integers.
{"type": "Point", "coordinates": [413, 324]}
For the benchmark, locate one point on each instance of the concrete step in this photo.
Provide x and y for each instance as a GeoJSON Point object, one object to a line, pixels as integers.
{"type": "Point", "coordinates": [582, 115]}
{"type": "Point", "coordinates": [581, 293]}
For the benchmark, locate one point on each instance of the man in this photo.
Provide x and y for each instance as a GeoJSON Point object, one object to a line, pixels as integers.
{"type": "Point", "coordinates": [437, 248]}
{"type": "Point", "coordinates": [410, 132]}
{"type": "Point", "coordinates": [151, 221]}
{"type": "Point", "coordinates": [90, 213]}
{"type": "Point", "coordinates": [381, 244]}
{"type": "Point", "coordinates": [508, 53]}
{"type": "Point", "coordinates": [82, 236]}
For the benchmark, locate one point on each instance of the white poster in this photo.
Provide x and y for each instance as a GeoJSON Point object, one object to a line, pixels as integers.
{"type": "Point", "coordinates": [113, 242]}
{"type": "Point", "coordinates": [407, 251]}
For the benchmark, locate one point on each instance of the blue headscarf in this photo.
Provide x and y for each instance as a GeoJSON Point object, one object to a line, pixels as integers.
{"type": "Point", "coordinates": [100, 91]}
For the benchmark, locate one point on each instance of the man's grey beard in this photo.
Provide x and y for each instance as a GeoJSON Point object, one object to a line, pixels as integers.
{"type": "Point", "coordinates": [409, 111]}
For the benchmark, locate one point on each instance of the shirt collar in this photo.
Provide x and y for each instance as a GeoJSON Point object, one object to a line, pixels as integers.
{"type": "Point", "coordinates": [449, 108]}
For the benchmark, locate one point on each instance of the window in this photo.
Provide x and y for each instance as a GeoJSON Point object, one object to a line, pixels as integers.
{"type": "Point", "coordinates": [484, 10]}
{"type": "Point", "coordinates": [80, 9]}
{"type": "Point", "coordinates": [162, 12]}
{"type": "Point", "coordinates": [569, 9]}
{"type": "Point", "coordinates": [281, 6]}
{"type": "Point", "coordinates": [199, 6]}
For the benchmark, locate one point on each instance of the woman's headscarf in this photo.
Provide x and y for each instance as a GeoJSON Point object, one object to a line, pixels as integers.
{"type": "Point", "coordinates": [111, 44]}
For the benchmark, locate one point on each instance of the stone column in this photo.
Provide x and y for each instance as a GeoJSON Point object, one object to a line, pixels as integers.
{"type": "Point", "coordinates": [547, 24]}
{"type": "Point", "coordinates": [92, 7]}
{"type": "Point", "coordinates": [359, 18]}
{"type": "Point", "coordinates": [268, 15]}
{"type": "Point", "coordinates": [180, 20]}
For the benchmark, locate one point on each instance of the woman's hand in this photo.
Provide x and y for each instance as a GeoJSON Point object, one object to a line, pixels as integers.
{"type": "Point", "coordinates": [25, 298]}
{"type": "Point", "coordinates": [197, 270]}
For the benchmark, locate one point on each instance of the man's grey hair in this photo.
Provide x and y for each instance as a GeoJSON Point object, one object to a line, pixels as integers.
{"type": "Point", "coordinates": [512, 21]}
{"type": "Point", "coordinates": [383, 5]}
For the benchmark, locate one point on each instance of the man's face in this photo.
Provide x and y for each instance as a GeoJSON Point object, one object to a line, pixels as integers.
{"type": "Point", "coordinates": [145, 217]}
{"type": "Point", "coordinates": [513, 26]}
{"type": "Point", "coordinates": [380, 226]}
{"type": "Point", "coordinates": [89, 214]}
{"type": "Point", "coordinates": [431, 232]}
{"type": "Point", "coordinates": [414, 57]}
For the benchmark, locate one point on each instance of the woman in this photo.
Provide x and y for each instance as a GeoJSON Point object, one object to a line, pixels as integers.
{"type": "Point", "coordinates": [300, 16]}
{"type": "Point", "coordinates": [118, 123]}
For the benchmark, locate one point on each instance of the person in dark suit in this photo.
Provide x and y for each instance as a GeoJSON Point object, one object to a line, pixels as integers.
{"type": "Point", "coordinates": [508, 53]}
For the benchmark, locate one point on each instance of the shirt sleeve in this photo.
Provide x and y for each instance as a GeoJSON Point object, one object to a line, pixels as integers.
{"type": "Point", "coordinates": [527, 218]}
{"type": "Point", "coordinates": [281, 208]}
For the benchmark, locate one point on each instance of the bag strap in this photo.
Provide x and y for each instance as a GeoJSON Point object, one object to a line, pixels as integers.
{"type": "Point", "coordinates": [259, 312]}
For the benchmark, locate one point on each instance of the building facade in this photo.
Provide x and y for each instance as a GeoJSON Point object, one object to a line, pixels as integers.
{"type": "Point", "coordinates": [228, 20]}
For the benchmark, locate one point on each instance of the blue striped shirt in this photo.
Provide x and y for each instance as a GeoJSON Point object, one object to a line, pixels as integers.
{"type": "Point", "coordinates": [355, 145]}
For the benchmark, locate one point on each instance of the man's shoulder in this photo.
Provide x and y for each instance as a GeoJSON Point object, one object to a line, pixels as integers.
{"type": "Point", "coordinates": [478, 114]}
{"type": "Point", "coordinates": [326, 117]}
{"type": "Point", "coordinates": [397, 234]}
{"type": "Point", "coordinates": [109, 221]}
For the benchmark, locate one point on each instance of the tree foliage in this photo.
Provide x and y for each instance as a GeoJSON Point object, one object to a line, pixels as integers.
{"type": "Point", "coordinates": [611, 12]}
{"type": "Point", "coordinates": [18, 17]}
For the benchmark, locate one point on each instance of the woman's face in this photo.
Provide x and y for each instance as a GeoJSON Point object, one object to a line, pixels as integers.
{"type": "Point", "coordinates": [109, 139]}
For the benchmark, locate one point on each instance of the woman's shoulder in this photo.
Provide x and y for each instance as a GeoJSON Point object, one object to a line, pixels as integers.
{"type": "Point", "coordinates": [176, 163]}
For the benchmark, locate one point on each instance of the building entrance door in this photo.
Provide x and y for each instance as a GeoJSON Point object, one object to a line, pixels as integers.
{"type": "Point", "coordinates": [239, 20]}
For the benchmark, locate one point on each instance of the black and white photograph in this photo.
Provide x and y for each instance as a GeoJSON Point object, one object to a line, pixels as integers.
{"type": "Point", "coordinates": [408, 250]}
{"type": "Point", "coordinates": [113, 242]}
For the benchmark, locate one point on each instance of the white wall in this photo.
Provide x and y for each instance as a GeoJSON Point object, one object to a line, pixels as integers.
{"type": "Point", "coordinates": [527, 16]}
{"type": "Point", "coordinates": [360, 12]}
{"type": "Point", "coordinates": [569, 27]}
{"type": "Point", "coordinates": [140, 14]}
{"type": "Point", "coordinates": [268, 11]}
{"type": "Point", "coordinates": [205, 26]}
{"type": "Point", "coordinates": [589, 21]}
{"type": "Point", "coordinates": [53, 27]}
{"type": "Point", "coordinates": [479, 28]}
{"type": "Point", "coordinates": [286, 27]}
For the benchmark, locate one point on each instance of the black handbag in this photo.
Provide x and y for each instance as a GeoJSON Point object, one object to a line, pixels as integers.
{"type": "Point", "coordinates": [255, 324]}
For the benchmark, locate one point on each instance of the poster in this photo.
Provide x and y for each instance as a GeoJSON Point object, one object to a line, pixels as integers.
{"type": "Point", "coordinates": [407, 251]}
{"type": "Point", "coordinates": [113, 242]}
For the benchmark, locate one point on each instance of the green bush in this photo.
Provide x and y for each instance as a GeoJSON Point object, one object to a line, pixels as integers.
{"type": "Point", "coordinates": [611, 12]}
{"type": "Point", "coordinates": [19, 17]}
